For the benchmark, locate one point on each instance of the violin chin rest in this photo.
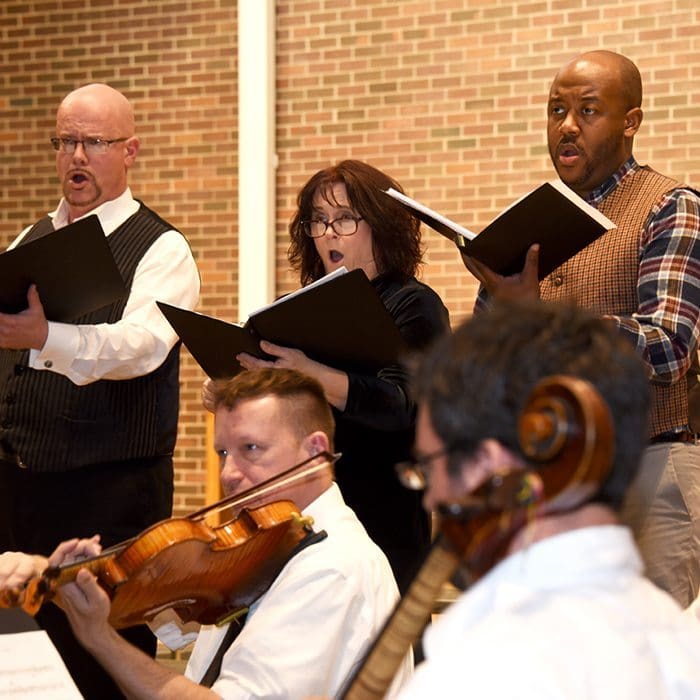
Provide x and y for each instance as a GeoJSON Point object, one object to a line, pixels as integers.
{"type": "Point", "coordinates": [305, 521]}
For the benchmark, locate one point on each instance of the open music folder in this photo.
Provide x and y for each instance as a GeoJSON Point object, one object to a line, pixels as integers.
{"type": "Point", "coordinates": [338, 320]}
{"type": "Point", "coordinates": [72, 267]}
{"type": "Point", "coordinates": [552, 215]}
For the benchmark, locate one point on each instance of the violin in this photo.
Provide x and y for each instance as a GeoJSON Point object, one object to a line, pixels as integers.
{"type": "Point", "coordinates": [566, 430]}
{"type": "Point", "coordinates": [205, 573]}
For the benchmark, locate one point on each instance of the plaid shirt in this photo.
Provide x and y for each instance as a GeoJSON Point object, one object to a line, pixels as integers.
{"type": "Point", "coordinates": [666, 325]}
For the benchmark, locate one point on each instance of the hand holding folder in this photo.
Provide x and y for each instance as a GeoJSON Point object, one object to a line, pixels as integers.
{"type": "Point", "coordinates": [72, 267]}
{"type": "Point", "coordinates": [338, 320]}
{"type": "Point", "coordinates": [552, 215]}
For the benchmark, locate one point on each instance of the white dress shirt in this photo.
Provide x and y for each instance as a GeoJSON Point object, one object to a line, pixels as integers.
{"type": "Point", "coordinates": [141, 340]}
{"type": "Point", "coordinates": [570, 617]}
{"type": "Point", "coordinates": [305, 635]}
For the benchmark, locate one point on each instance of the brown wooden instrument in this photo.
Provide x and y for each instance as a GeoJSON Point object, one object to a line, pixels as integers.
{"type": "Point", "coordinates": [566, 429]}
{"type": "Point", "coordinates": [205, 573]}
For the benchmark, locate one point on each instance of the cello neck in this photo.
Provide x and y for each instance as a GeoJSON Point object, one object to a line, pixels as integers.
{"type": "Point", "coordinates": [373, 679]}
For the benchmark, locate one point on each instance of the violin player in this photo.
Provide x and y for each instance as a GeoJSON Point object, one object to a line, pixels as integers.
{"type": "Point", "coordinates": [306, 633]}
{"type": "Point", "coordinates": [568, 612]}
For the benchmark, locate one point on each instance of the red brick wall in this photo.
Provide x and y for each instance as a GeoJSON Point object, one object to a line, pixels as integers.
{"type": "Point", "coordinates": [447, 96]}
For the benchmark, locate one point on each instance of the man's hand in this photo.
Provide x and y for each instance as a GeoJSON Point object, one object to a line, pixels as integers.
{"type": "Point", "coordinates": [522, 285]}
{"type": "Point", "coordinates": [87, 607]}
{"type": "Point", "coordinates": [16, 568]}
{"type": "Point", "coordinates": [74, 550]}
{"type": "Point", "coordinates": [26, 330]}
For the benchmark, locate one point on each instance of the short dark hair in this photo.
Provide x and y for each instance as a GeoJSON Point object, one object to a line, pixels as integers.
{"type": "Point", "coordinates": [476, 381]}
{"type": "Point", "coordinates": [304, 405]}
{"type": "Point", "coordinates": [396, 237]}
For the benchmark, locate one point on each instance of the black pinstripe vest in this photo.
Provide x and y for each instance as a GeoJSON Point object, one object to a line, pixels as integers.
{"type": "Point", "coordinates": [49, 424]}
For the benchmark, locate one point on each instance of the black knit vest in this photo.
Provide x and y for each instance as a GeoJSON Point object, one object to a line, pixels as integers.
{"type": "Point", "coordinates": [49, 424]}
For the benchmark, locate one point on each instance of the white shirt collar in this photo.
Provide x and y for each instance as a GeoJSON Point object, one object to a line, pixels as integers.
{"type": "Point", "coordinates": [560, 562]}
{"type": "Point", "coordinates": [326, 507]}
{"type": "Point", "coordinates": [111, 213]}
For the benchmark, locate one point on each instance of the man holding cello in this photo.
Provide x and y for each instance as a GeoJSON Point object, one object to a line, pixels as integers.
{"type": "Point", "coordinates": [565, 611]}
{"type": "Point", "coordinates": [310, 628]}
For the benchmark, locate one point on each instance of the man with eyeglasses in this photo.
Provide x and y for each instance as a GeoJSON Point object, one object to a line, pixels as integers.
{"type": "Point", "coordinates": [566, 612]}
{"type": "Point", "coordinates": [88, 410]}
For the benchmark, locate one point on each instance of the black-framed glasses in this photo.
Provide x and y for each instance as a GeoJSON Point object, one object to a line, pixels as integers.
{"type": "Point", "coordinates": [414, 473]}
{"type": "Point", "coordinates": [344, 225]}
{"type": "Point", "coordinates": [91, 145]}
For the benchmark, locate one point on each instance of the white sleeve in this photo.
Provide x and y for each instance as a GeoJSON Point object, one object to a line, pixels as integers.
{"type": "Point", "coordinates": [141, 340]}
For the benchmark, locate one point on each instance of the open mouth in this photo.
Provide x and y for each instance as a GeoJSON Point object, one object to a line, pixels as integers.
{"type": "Point", "coordinates": [568, 150]}
{"type": "Point", "coordinates": [336, 256]}
{"type": "Point", "coordinates": [78, 178]}
{"type": "Point", "coordinates": [568, 153]}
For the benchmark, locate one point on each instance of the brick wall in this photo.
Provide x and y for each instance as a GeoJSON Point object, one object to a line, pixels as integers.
{"type": "Point", "coordinates": [176, 61]}
{"type": "Point", "coordinates": [447, 96]}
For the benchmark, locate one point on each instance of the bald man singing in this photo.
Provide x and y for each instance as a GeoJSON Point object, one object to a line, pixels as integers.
{"type": "Point", "coordinates": [645, 278]}
{"type": "Point", "coordinates": [88, 409]}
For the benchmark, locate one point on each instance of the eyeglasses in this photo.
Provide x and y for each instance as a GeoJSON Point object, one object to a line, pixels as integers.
{"type": "Point", "coordinates": [414, 473]}
{"type": "Point", "coordinates": [94, 146]}
{"type": "Point", "coordinates": [344, 225]}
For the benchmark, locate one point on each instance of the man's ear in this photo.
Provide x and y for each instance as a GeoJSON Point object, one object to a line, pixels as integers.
{"type": "Point", "coordinates": [633, 120]}
{"type": "Point", "coordinates": [315, 443]}
{"type": "Point", "coordinates": [490, 459]}
{"type": "Point", "coordinates": [132, 146]}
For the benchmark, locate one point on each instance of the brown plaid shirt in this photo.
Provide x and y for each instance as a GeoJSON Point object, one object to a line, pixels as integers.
{"type": "Point", "coordinates": [645, 275]}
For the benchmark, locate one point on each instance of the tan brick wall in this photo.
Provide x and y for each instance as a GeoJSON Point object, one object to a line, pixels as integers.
{"type": "Point", "coordinates": [176, 61]}
{"type": "Point", "coordinates": [447, 96]}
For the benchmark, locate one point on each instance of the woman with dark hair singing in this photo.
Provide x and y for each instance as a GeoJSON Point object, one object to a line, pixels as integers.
{"type": "Point", "coordinates": [344, 219]}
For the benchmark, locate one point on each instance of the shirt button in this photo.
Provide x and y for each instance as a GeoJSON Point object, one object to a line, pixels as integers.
{"type": "Point", "coordinates": [558, 281]}
{"type": "Point", "coordinates": [48, 364]}
{"type": "Point", "coordinates": [19, 369]}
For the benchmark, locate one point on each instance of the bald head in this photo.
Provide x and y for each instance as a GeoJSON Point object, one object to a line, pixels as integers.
{"type": "Point", "coordinates": [98, 97]}
{"type": "Point", "coordinates": [593, 115]}
{"type": "Point", "coordinates": [617, 67]}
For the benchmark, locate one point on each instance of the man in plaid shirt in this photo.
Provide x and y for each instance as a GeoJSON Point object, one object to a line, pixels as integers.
{"type": "Point", "coordinates": [645, 277]}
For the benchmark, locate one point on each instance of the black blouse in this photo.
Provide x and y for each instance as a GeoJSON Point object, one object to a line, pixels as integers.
{"type": "Point", "coordinates": [376, 430]}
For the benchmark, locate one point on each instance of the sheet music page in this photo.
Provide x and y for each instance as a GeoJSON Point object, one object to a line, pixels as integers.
{"type": "Point", "coordinates": [430, 213]}
{"type": "Point", "coordinates": [30, 667]}
{"type": "Point", "coordinates": [321, 280]}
